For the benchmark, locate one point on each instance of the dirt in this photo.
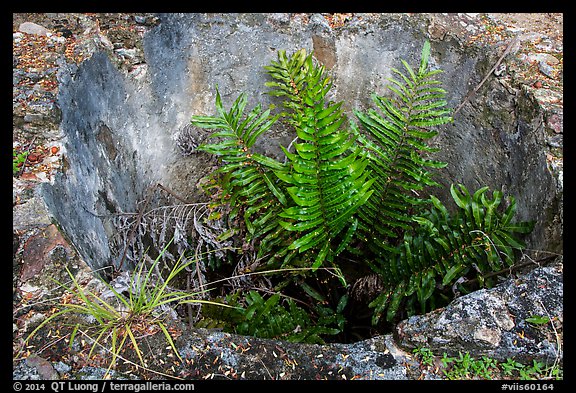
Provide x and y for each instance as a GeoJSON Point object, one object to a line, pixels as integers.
{"type": "Point", "coordinates": [549, 24]}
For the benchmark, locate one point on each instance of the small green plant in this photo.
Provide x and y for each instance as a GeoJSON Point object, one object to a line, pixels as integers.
{"type": "Point", "coordinates": [123, 317]}
{"type": "Point", "coordinates": [425, 355]}
{"type": "Point", "coordinates": [18, 159]}
{"type": "Point", "coordinates": [466, 367]}
{"type": "Point", "coordinates": [484, 367]}
{"type": "Point", "coordinates": [510, 367]}
{"type": "Point", "coordinates": [538, 320]}
{"type": "Point", "coordinates": [462, 367]}
{"type": "Point", "coordinates": [276, 316]}
{"type": "Point", "coordinates": [444, 247]}
{"type": "Point", "coordinates": [270, 318]}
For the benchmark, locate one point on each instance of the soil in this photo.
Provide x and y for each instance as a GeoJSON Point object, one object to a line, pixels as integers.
{"type": "Point", "coordinates": [549, 24]}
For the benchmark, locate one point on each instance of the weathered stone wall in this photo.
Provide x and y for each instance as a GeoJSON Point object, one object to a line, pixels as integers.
{"type": "Point", "coordinates": [121, 125]}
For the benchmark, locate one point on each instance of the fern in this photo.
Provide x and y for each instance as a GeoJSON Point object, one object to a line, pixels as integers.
{"type": "Point", "coordinates": [248, 184]}
{"type": "Point", "coordinates": [326, 180]}
{"type": "Point", "coordinates": [355, 187]}
{"type": "Point", "coordinates": [254, 315]}
{"type": "Point", "coordinates": [394, 143]}
{"type": "Point", "coordinates": [444, 248]}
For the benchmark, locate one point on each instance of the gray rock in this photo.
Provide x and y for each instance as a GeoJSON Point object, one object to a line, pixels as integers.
{"type": "Point", "coordinates": [32, 28]}
{"type": "Point", "coordinates": [546, 69]}
{"type": "Point", "coordinates": [31, 214]}
{"type": "Point", "coordinates": [492, 322]}
{"type": "Point", "coordinates": [140, 19]}
{"type": "Point", "coordinates": [62, 368]}
{"type": "Point", "coordinates": [33, 118]}
{"type": "Point", "coordinates": [211, 352]}
{"type": "Point", "coordinates": [555, 122]}
{"type": "Point", "coordinates": [43, 367]}
{"type": "Point", "coordinates": [556, 141]}
{"type": "Point", "coordinates": [22, 372]}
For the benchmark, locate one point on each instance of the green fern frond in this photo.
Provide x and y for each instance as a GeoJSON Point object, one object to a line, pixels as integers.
{"type": "Point", "coordinates": [246, 178]}
{"type": "Point", "coordinates": [444, 248]}
{"type": "Point", "coordinates": [327, 179]}
{"type": "Point", "coordinates": [395, 143]}
{"type": "Point", "coordinates": [271, 317]}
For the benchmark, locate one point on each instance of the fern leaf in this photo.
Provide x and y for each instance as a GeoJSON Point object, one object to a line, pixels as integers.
{"type": "Point", "coordinates": [326, 180]}
{"type": "Point", "coordinates": [395, 140]}
{"type": "Point", "coordinates": [245, 176]}
{"type": "Point", "coordinates": [443, 248]}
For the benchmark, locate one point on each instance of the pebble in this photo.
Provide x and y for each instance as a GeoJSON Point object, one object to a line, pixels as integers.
{"type": "Point", "coordinates": [546, 69]}
{"type": "Point", "coordinates": [33, 118]}
{"type": "Point", "coordinates": [556, 141]}
{"type": "Point", "coordinates": [140, 19]}
{"type": "Point", "coordinates": [33, 28]}
{"type": "Point", "coordinates": [555, 122]}
{"type": "Point", "coordinates": [58, 39]}
{"type": "Point", "coordinates": [62, 367]}
{"type": "Point", "coordinates": [43, 367]}
{"type": "Point", "coordinates": [128, 54]}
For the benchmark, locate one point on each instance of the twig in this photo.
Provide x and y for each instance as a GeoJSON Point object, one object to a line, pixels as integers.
{"type": "Point", "coordinates": [173, 194]}
{"type": "Point", "coordinates": [51, 343]}
{"type": "Point", "coordinates": [558, 343]}
{"type": "Point", "coordinates": [135, 227]}
{"type": "Point", "coordinates": [487, 75]}
{"type": "Point", "coordinates": [268, 371]}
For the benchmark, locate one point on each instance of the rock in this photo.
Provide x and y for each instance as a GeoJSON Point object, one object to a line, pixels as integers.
{"type": "Point", "coordinates": [33, 28]}
{"type": "Point", "coordinates": [40, 369]}
{"type": "Point", "coordinates": [492, 322]}
{"type": "Point", "coordinates": [556, 141]}
{"type": "Point", "coordinates": [62, 368]}
{"type": "Point", "coordinates": [43, 367]}
{"type": "Point", "coordinates": [253, 358]}
{"type": "Point", "coordinates": [436, 30]}
{"type": "Point", "coordinates": [133, 55]}
{"type": "Point", "coordinates": [547, 70]}
{"type": "Point", "coordinates": [33, 118]}
{"type": "Point", "coordinates": [555, 122]}
{"type": "Point", "coordinates": [140, 19]}
{"type": "Point", "coordinates": [37, 251]}
{"type": "Point", "coordinates": [280, 18]}
{"type": "Point", "coordinates": [31, 214]}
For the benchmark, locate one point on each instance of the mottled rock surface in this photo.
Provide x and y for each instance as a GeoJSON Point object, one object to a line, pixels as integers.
{"type": "Point", "coordinates": [493, 322]}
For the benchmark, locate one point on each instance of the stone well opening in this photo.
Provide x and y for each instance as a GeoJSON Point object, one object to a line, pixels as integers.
{"type": "Point", "coordinates": [124, 169]}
